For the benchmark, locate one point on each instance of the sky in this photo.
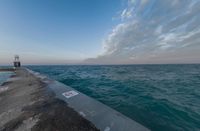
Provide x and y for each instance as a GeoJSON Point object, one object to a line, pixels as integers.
{"type": "Point", "coordinates": [100, 31]}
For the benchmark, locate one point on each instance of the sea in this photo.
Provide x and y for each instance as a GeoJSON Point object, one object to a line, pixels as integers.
{"type": "Point", "coordinates": [160, 97]}
{"type": "Point", "coordinates": [4, 76]}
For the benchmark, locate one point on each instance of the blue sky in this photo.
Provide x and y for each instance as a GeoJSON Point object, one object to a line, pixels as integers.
{"type": "Point", "coordinates": [100, 31]}
{"type": "Point", "coordinates": [54, 31]}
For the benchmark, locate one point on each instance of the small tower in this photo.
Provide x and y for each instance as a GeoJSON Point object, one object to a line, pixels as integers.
{"type": "Point", "coordinates": [16, 61]}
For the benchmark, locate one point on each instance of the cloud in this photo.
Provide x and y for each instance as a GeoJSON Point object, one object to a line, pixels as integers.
{"type": "Point", "coordinates": [126, 13]}
{"type": "Point", "coordinates": [154, 31]}
{"type": "Point", "coordinates": [158, 30]}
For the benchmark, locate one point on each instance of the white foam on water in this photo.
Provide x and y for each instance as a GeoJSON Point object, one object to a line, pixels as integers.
{"type": "Point", "coordinates": [82, 114]}
{"type": "Point", "coordinates": [107, 129]}
{"type": "Point", "coordinates": [2, 89]}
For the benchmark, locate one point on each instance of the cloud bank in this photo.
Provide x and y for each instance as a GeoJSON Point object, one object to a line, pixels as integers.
{"type": "Point", "coordinates": [154, 31]}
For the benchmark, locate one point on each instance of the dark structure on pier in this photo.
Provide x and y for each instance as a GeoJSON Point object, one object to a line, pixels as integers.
{"type": "Point", "coordinates": [17, 61]}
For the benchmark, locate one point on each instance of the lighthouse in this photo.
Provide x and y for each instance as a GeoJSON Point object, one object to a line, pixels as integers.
{"type": "Point", "coordinates": [17, 61]}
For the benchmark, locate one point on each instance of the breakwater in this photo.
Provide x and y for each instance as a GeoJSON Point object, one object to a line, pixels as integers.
{"type": "Point", "coordinates": [31, 98]}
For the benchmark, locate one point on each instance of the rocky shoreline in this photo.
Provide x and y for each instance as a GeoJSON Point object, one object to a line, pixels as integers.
{"type": "Point", "coordinates": [28, 104]}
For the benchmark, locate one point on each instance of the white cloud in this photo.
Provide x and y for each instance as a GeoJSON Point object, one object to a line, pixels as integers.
{"type": "Point", "coordinates": [127, 13]}
{"type": "Point", "coordinates": [175, 2]}
{"type": "Point", "coordinates": [158, 30]}
{"type": "Point", "coordinates": [154, 30]}
{"type": "Point", "coordinates": [132, 1]}
{"type": "Point", "coordinates": [143, 2]}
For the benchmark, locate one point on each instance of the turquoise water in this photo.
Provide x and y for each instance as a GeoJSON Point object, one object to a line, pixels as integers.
{"type": "Point", "coordinates": [161, 97]}
{"type": "Point", "coordinates": [4, 76]}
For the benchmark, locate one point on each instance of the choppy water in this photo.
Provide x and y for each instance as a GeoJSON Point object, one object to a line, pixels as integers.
{"type": "Point", "coordinates": [4, 76]}
{"type": "Point", "coordinates": [161, 97]}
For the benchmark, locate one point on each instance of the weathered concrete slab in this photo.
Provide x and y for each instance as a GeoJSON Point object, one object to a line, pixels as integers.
{"type": "Point", "coordinates": [104, 117]}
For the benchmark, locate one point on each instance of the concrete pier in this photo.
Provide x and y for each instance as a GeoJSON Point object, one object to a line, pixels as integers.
{"type": "Point", "coordinates": [28, 104]}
